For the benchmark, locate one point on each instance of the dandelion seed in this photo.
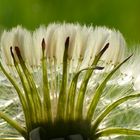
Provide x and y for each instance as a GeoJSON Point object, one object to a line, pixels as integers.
{"type": "Point", "coordinates": [115, 53]}
{"type": "Point", "coordinates": [16, 37]}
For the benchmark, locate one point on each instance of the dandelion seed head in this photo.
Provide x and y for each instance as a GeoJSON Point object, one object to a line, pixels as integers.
{"type": "Point", "coordinates": [57, 71]}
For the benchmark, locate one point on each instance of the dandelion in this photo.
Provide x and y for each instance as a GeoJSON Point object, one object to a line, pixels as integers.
{"type": "Point", "coordinates": [68, 79]}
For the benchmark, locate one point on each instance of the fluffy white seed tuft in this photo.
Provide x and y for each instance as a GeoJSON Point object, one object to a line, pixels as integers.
{"type": "Point", "coordinates": [85, 43]}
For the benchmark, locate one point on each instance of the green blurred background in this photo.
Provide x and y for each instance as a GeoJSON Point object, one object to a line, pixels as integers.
{"type": "Point", "coordinates": [119, 14]}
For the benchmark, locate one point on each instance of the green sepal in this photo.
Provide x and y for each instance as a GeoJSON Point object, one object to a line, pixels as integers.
{"type": "Point", "coordinates": [61, 107]}
{"type": "Point", "coordinates": [82, 90]}
{"type": "Point", "coordinates": [47, 112]}
{"type": "Point", "coordinates": [14, 124]}
{"type": "Point", "coordinates": [20, 95]}
{"type": "Point", "coordinates": [97, 94]}
{"type": "Point", "coordinates": [34, 92]}
{"type": "Point", "coordinates": [70, 111]}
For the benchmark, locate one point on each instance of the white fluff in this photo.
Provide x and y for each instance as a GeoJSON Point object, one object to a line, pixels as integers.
{"type": "Point", "coordinates": [85, 43]}
{"type": "Point", "coordinates": [116, 50]}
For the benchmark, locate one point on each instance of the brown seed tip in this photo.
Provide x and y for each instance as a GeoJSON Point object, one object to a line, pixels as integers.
{"type": "Point", "coordinates": [11, 51]}
{"type": "Point", "coordinates": [43, 44]}
{"type": "Point", "coordinates": [17, 51]}
{"type": "Point", "coordinates": [99, 68]}
{"type": "Point", "coordinates": [104, 49]}
{"type": "Point", "coordinates": [67, 42]}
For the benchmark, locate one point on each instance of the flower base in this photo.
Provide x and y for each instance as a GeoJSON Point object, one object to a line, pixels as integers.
{"type": "Point", "coordinates": [38, 134]}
